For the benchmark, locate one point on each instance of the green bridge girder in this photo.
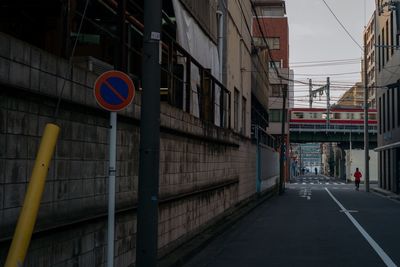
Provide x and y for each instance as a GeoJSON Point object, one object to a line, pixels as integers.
{"type": "Point", "coordinates": [325, 137]}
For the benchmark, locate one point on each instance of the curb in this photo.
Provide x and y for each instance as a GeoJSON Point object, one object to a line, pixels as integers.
{"type": "Point", "coordinates": [187, 250]}
{"type": "Point", "coordinates": [386, 193]}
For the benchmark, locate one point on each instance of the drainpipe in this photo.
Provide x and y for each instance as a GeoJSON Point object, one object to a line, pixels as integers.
{"type": "Point", "coordinates": [220, 15]}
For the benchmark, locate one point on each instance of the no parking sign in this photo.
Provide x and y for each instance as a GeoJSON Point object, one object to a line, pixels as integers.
{"type": "Point", "coordinates": [114, 90]}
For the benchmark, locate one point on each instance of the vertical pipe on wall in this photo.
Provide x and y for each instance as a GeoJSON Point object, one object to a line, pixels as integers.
{"type": "Point", "coordinates": [220, 15]}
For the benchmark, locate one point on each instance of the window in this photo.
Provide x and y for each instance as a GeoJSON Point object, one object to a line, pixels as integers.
{"type": "Point", "coordinates": [398, 106]}
{"type": "Point", "coordinates": [380, 168]}
{"type": "Point", "coordinates": [276, 115]}
{"type": "Point", "coordinates": [379, 54]}
{"type": "Point", "coordinates": [380, 115]}
{"type": "Point", "coordinates": [259, 42]}
{"type": "Point", "coordinates": [236, 110]}
{"type": "Point", "coordinates": [382, 48]}
{"type": "Point", "coordinates": [389, 176]}
{"type": "Point", "coordinates": [298, 115]}
{"type": "Point", "coordinates": [387, 40]}
{"type": "Point", "coordinates": [273, 43]}
{"type": "Point", "coordinates": [388, 110]}
{"type": "Point", "coordinates": [384, 167]}
{"type": "Point", "coordinates": [277, 64]}
{"type": "Point", "coordinates": [393, 109]}
{"type": "Point", "coordinates": [276, 90]}
{"type": "Point", "coordinates": [244, 103]}
{"type": "Point", "coordinates": [272, 12]}
{"type": "Point", "coordinates": [392, 32]}
{"type": "Point", "coordinates": [383, 113]}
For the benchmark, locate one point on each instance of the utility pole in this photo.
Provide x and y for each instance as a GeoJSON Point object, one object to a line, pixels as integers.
{"type": "Point", "coordinates": [328, 99]}
{"type": "Point", "coordinates": [147, 215]}
{"type": "Point", "coordinates": [283, 144]}
{"type": "Point", "coordinates": [366, 137]}
{"type": "Point", "coordinates": [310, 90]}
{"type": "Point", "coordinates": [301, 161]}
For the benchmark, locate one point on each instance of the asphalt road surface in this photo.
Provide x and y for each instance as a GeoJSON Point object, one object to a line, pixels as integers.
{"type": "Point", "coordinates": [317, 222]}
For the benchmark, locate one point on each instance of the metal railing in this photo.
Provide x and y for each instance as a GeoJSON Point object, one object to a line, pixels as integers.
{"type": "Point", "coordinates": [260, 135]}
{"type": "Point", "coordinates": [331, 128]}
{"type": "Point", "coordinates": [192, 88]}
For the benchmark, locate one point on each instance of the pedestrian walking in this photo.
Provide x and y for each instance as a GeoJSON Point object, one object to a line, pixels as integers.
{"type": "Point", "coordinates": [357, 178]}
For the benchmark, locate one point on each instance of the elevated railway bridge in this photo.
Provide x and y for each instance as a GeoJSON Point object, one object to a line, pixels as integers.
{"type": "Point", "coordinates": [338, 125]}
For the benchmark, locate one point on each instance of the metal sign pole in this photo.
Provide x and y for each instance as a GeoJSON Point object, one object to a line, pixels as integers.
{"type": "Point", "coordinates": [111, 188]}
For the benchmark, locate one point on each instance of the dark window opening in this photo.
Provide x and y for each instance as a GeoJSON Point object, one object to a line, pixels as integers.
{"type": "Point", "coordinates": [392, 32]}
{"type": "Point", "coordinates": [384, 113]}
{"type": "Point", "coordinates": [379, 54]}
{"type": "Point", "coordinates": [387, 41]}
{"type": "Point", "coordinates": [393, 109]}
{"type": "Point", "coordinates": [382, 49]}
{"type": "Point", "coordinates": [388, 110]}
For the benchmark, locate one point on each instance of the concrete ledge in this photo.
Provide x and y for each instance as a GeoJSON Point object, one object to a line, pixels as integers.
{"type": "Point", "coordinates": [187, 250]}
{"type": "Point", "coordinates": [386, 193]}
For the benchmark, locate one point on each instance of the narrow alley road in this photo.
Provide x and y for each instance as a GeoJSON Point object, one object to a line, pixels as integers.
{"type": "Point", "coordinates": [317, 223]}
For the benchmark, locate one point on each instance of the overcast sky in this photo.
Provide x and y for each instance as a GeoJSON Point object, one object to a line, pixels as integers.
{"type": "Point", "coordinates": [315, 35]}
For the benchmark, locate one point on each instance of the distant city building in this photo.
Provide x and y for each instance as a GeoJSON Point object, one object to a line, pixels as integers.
{"type": "Point", "coordinates": [307, 157]}
{"type": "Point", "coordinates": [369, 41]}
{"type": "Point", "coordinates": [274, 28]}
{"type": "Point", "coordinates": [271, 33]}
{"type": "Point", "coordinates": [352, 98]}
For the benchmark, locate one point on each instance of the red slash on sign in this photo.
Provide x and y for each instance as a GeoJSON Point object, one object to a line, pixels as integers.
{"type": "Point", "coordinates": [114, 90]}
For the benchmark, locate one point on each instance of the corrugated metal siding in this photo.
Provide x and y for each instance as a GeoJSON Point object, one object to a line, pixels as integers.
{"type": "Point", "coordinates": [204, 12]}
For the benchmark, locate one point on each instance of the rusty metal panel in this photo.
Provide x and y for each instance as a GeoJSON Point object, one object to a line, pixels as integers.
{"type": "Point", "coordinates": [204, 12]}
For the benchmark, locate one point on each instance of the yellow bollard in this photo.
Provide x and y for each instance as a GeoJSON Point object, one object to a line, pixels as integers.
{"type": "Point", "coordinates": [27, 217]}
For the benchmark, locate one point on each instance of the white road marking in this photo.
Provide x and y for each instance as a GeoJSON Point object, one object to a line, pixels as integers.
{"type": "Point", "coordinates": [326, 183]}
{"type": "Point", "coordinates": [304, 183]}
{"type": "Point", "coordinates": [305, 192]}
{"type": "Point", "coordinates": [351, 211]}
{"type": "Point", "coordinates": [311, 183]}
{"type": "Point", "coordinates": [386, 259]}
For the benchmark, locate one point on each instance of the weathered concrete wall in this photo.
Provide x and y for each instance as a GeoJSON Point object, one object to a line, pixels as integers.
{"type": "Point", "coordinates": [357, 161]}
{"type": "Point", "coordinates": [204, 170]}
{"type": "Point", "coordinates": [269, 167]}
{"type": "Point", "coordinates": [238, 62]}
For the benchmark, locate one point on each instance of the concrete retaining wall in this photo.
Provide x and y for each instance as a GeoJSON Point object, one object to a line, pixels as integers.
{"type": "Point", "coordinates": [204, 170]}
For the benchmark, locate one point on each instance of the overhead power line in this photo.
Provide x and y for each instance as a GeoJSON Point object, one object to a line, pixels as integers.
{"type": "Point", "coordinates": [325, 64]}
{"type": "Point", "coordinates": [328, 74]}
{"type": "Point", "coordinates": [341, 24]}
{"type": "Point", "coordinates": [327, 61]}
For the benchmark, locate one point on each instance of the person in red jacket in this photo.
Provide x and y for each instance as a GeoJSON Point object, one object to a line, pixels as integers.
{"type": "Point", "coordinates": [357, 176]}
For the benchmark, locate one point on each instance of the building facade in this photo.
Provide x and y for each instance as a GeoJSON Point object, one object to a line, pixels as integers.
{"type": "Point", "coordinates": [207, 159]}
{"type": "Point", "coordinates": [271, 33]}
{"type": "Point", "coordinates": [369, 43]}
{"type": "Point", "coordinates": [387, 61]}
{"type": "Point", "coordinates": [352, 98]}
